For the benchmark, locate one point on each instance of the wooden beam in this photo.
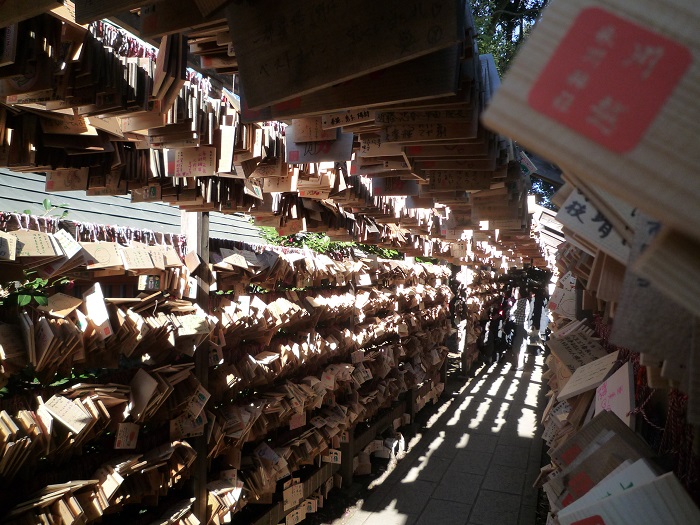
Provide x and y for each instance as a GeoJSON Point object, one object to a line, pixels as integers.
{"type": "Point", "coordinates": [132, 23]}
{"type": "Point", "coordinates": [207, 7]}
{"type": "Point", "coordinates": [13, 11]}
{"type": "Point", "coordinates": [163, 19]}
{"type": "Point", "coordinates": [90, 10]}
{"type": "Point", "coordinates": [66, 13]}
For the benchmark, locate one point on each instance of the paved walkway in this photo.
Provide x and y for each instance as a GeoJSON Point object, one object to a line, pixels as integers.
{"type": "Point", "coordinates": [474, 461]}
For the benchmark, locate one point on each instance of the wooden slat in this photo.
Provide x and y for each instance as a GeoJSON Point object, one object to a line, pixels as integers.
{"type": "Point", "coordinates": [432, 132]}
{"type": "Point", "coordinates": [66, 13]}
{"type": "Point", "coordinates": [611, 278]}
{"type": "Point", "coordinates": [671, 264]}
{"type": "Point", "coordinates": [457, 164]}
{"type": "Point", "coordinates": [424, 78]}
{"type": "Point", "coordinates": [390, 118]}
{"type": "Point", "coordinates": [458, 150]}
{"type": "Point", "coordinates": [456, 180]}
{"type": "Point", "coordinates": [288, 49]}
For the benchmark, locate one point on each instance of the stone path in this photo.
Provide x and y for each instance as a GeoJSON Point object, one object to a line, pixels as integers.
{"type": "Point", "coordinates": [473, 463]}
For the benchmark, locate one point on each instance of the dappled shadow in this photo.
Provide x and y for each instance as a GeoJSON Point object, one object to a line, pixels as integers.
{"type": "Point", "coordinates": [472, 457]}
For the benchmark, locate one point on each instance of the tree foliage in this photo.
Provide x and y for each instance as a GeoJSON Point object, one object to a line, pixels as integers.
{"type": "Point", "coordinates": [503, 25]}
{"type": "Point", "coordinates": [321, 243]}
{"type": "Point", "coordinates": [33, 291]}
{"type": "Point", "coordinates": [544, 192]}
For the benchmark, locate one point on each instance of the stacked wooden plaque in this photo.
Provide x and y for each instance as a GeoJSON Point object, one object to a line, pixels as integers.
{"type": "Point", "coordinates": [604, 89]}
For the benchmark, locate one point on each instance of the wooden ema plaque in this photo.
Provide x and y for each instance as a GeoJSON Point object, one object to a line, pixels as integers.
{"type": "Point", "coordinates": [288, 49]}
{"type": "Point", "coordinates": [445, 180]}
{"type": "Point", "coordinates": [420, 79]}
{"type": "Point", "coordinates": [611, 89]}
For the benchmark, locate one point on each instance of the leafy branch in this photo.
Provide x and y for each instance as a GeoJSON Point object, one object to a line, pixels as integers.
{"type": "Point", "coordinates": [321, 243]}
{"type": "Point", "coordinates": [49, 207]}
{"type": "Point", "coordinates": [23, 294]}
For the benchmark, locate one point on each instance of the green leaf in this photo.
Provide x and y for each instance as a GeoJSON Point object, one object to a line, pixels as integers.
{"type": "Point", "coordinates": [41, 300]}
{"type": "Point", "coordinates": [27, 212]}
{"type": "Point", "coordinates": [64, 205]}
{"type": "Point", "coordinates": [23, 300]}
{"type": "Point", "coordinates": [47, 204]}
{"type": "Point", "coordinates": [64, 214]}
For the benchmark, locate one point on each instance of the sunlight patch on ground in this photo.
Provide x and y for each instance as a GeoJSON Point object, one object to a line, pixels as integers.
{"type": "Point", "coordinates": [496, 386]}
{"type": "Point", "coordinates": [507, 368]}
{"type": "Point", "coordinates": [440, 411]}
{"type": "Point", "coordinates": [536, 375]}
{"type": "Point", "coordinates": [463, 441]}
{"type": "Point", "coordinates": [532, 394]}
{"type": "Point", "coordinates": [413, 474]}
{"type": "Point", "coordinates": [436, 416]}
{"type": "Point", "coordinates": [414, 441]}
{"type": "Point", "coordinates": [435, 444]}
{"type": "Point", "coordinates": [512, 389]}
{"type": "Point", "coordinates": [500, 418]}
{"type": "Point", "coordinates": [391, 515]}
{"type": "Point", "coordinates": [456, 417]}
{"type": "Point", "coordinates": [477, 386]}
{"type": "Point", "coordinates": [527, 423]}
{"type": "Point", "coordinates": [480, 414]}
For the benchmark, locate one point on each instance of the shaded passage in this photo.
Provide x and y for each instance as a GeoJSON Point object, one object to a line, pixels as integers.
{"type": "Point", "coordinates": [473, 462]}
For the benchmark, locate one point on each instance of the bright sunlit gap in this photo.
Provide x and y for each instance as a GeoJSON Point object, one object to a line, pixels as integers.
{"type": "Point", "coordinates": [494, 378]}
{"type": "Point", "coordinates": [533, 391]}
{"type": "Point", "coordinates": [512, 389]}
{"type": "Point", "coordinates": [463, 441]}
{"type": "Point", "coordinates": [455, 418]}
{"type": "Point", "coordinates": [478, 386]}
{"type": "Point", "coordinates": [496, 386]}
{"type": "Point", "coordinates": [423, 461]}
{"type": "Point", "coordinates": [480, 414]}
{"type": "Point", "coordinates": [500, 419]}
{"type": "Point", "coordinates": [527, 423]}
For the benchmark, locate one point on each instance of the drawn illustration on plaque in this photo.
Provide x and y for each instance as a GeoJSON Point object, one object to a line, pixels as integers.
{"type": "Point", "coordinates": [72, 180]}
{"type": "Point", "coordinates": [101, 255]}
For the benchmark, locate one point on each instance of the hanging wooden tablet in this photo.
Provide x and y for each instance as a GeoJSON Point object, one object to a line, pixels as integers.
{"type": "Point", "coordinates": [611, 89]}
{"type": "Point", "coordinates": [421, 80]}
{"type": "Point", "coordinates": [670, 263]}
{"type": "Point", "coordinates": [287, 50]}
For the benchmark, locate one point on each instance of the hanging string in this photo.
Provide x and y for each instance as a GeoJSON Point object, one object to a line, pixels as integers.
{"type": "Point", "coordinates": [202, 82]}
{"type": "Point", "coordinates": [640, 410]}
{"type": "Point", "coordinates": [122, 43]}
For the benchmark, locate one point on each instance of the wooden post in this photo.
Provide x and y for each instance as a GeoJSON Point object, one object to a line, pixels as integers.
{"type": "Point", "coordinates": [196, 227]}
{"type": "Point", "coordinates": [347, 450]}
{"type": "Point", "coordinates": [411, 403]}
{"type": "Point", "coordinates": [443, 374]}
{"type": "Point", "coordinates": [347, 456]}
